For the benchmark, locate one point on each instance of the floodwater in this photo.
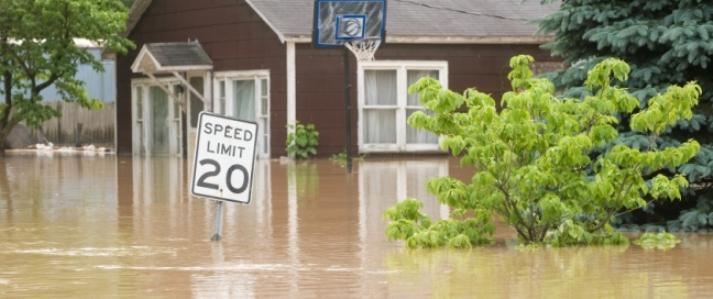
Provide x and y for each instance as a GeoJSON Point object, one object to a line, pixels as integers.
{"type": "Point", "coordinates": [108, 227]}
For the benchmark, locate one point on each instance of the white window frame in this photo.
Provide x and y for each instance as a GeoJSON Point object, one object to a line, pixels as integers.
{"type": "Point", "coordinates": [225, 107]}
{"type": "Point", "coordinates": [401, 67]}
{"type": "Point", "coordinates": [139, 147]}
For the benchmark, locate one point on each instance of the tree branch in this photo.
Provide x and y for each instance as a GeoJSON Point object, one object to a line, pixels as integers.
{"type": "Point", "coordinates": [36, 89]}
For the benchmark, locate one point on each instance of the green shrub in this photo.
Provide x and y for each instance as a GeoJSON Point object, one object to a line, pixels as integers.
{"type": "Point", "coordinates": [341, 158]}
{"type": "Point", "coordinates": [549, 166]}
{"type": "Point", "coordinates": [662, 241]}
{"type": "Point", "coordinates": [302, 142]}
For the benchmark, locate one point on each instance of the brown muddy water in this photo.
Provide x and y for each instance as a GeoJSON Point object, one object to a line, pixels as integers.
{"type": "Point", "coordinates": [93, 227]}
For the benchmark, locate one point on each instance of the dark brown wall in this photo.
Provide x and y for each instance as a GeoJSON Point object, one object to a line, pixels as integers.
{"type": "Point", "coordinates": [320, 87]}
{"type": "Point", "coordinates": [232, 34]}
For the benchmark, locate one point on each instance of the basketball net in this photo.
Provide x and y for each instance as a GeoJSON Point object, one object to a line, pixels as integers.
{"type": "Point", "coordinates": [365, 49]}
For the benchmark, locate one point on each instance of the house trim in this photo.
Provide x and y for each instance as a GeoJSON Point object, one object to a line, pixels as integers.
{"type": "Point", "coordinates": [497, 40]}
{"type": "Point", "coordinates": [401, 67]}
{"type": "Point", "coordinates": [291, 86]}
{"type": "Point", "coordinates": [267, 21]}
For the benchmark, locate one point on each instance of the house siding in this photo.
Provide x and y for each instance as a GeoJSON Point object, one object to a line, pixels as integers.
{"type": "Point", "coordinates": [320, 80]}
{"type": "Point", "coordinates": [232, 34]}
{"type": "Point", "coordinates": [236, 38]}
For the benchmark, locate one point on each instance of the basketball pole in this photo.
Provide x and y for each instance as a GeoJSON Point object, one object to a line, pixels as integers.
{"type": "Point", "coordinates": [348, 109]}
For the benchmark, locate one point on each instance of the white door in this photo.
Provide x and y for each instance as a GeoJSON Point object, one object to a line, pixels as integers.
{"type": "Point", "coordinates": [157, 122]}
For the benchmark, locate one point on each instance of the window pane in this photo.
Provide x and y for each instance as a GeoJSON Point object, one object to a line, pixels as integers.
{"type": "Point", "coordinates": [419, 136]}
{"type": "Point", "coordinates": [244, 99]}
{"type": "Point", "coordinates": [196, 103]}
{"type": "Point", "coordinates": [176, 106]}
{"type": "Point", "coordinates": [264, 105]}
{"type": "Point", "coordinates": [415, 75]}
{"type": "Point", "coordinates": [380, 87]}
{"type": "Point", "coordinates": [265, 144]}
{"type": "Point", "coordinates": [263, 87]}
{"type": "Point", "coordinates": [139, 103]}
{"type": "Point", "coordinates": [379, 126]}
{"type": "Point", "coordinates": [221, 97]}
{"type": "Point", "coordinates": [159, 121]}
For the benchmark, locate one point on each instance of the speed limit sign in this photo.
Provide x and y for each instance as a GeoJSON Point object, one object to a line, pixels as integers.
{"type": "Point", "coordinates": [225, 155]}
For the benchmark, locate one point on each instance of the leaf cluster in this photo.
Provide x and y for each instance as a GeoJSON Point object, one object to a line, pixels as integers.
{"type": "Point", "coordinates": [661, 241]}
{"type": "Point", "coordinates": [548, 165]}
{"type": "Point", "coordinates": [302, 142]}
{"type": "Point", "coordinates": [409, 224]}
{"type": "Point", "coordinates": [38, 49]}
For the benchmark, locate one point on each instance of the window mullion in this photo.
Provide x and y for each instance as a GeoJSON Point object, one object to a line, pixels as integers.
{"type": "Point", "coordinates": [402, 98]}
{"type": "Point", "coordinates": [229, 100]}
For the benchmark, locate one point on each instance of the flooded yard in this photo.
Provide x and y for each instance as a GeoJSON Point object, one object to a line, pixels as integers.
{"type": "Point", "coordinates": [103, 227]}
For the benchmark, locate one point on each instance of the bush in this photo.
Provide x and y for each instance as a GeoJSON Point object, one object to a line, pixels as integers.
{"type": "Point", "coordinates": [302, 142]}
{"type": "Point", "coordinates": [340, 158]}
{"type": "Point", "coordinates": [549, 166]}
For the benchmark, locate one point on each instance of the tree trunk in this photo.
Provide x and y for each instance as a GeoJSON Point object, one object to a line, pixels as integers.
{"type": "Point", "coordinates": [2, 146]}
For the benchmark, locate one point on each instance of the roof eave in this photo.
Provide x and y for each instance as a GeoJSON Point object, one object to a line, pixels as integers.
{"type": "Point", "coordinates": [406, 39]}
{"type": "Point", "coordinates": [279, 34]}
{"type": "Point", "coordinates": [136, 11]}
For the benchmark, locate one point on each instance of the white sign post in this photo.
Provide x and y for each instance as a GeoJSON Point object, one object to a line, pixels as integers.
{"type": "Point", "coordinates": [224, 159]}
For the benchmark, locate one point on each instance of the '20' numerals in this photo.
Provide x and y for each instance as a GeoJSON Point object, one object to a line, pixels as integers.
{"type": "Point", "coordinates": [228, 178]}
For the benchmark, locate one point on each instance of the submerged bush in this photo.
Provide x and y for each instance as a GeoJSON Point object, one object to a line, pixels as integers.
{"type": "Point", "coordinates": [303, 141]}
{"type": "Point", "coordinates": [661, 241]}
{"type": "Point", "coordinates": [547, 165]}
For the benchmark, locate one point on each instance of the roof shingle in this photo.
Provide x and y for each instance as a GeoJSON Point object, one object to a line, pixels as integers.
{"type": "Point", "coordinates": [423, 18]}
{"type": "Point", "coordinates": [179, 54]}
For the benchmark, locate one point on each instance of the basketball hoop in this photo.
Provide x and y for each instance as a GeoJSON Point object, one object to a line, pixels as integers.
{"type": "Point", "coordinates": [364, 49]}
{"type": "Point", "coordinates": [357, 25]}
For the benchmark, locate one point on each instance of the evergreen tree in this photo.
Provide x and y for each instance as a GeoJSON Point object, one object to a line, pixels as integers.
{"type": "Point", "coordinates": [666, 42]}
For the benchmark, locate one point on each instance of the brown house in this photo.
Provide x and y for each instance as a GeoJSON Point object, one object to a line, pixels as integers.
{"type": "Point", "coordinates": [254, 59]}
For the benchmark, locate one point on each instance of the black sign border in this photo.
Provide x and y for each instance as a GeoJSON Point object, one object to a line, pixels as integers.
{"type": "Point", "coordinates": [195, 158]}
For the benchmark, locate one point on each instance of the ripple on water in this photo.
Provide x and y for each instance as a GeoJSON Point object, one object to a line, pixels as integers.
{"type": "Point", "coordinates": [99, 251]}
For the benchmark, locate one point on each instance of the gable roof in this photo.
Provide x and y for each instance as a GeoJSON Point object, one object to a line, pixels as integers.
{"type": "Point", "coordinates": [167, 57]}
{"type": "Point", "coordinates": [425, 21]}
{"type": "Point", "coordinates": [412, 21]}
{"type": "Point", "coordinates": [136, 11]}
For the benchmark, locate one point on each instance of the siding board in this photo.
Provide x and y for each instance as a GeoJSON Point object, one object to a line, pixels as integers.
{"type": "Point", "coordinates": [320, 89]}
{"type": "Point", "coordinates": [231, 33]}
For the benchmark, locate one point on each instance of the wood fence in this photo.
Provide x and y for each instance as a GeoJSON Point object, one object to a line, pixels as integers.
{"type": "Point", "coordinates": [80, 126]}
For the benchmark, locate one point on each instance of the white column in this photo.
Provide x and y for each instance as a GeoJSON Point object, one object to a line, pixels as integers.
{"type": "Point", "coordinates": [208, 92]}
{"type": "Point", "coordinates": [291, 85]}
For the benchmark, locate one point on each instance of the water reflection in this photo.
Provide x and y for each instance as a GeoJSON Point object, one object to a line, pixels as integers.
{"type": "Point", "coordinates": [613, 272]}
{"type": "Point", "coordinates": [95, 227]}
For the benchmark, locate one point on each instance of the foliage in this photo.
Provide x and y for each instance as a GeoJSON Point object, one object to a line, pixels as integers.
{"type": "Point", "coordinates": [408, 223]}
{"type": "Point", "coordinates": [38, 50]}
{"type": "Point", "coordinates": [302, 142]}
{"type": "Point", "coordinates": [341, 158]}
{"type": "Point", "coordinates": [662, 241]}
{"type": "Point", "coordinates": [667, 42]}
{"type": "Point", "coordinates": [547, 165]}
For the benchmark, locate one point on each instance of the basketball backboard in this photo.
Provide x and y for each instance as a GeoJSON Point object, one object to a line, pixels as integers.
{"type": "Point", "coordinates": [337, 22]}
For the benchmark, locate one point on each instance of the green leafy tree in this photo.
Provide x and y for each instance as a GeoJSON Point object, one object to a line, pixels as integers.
{"type": "Point", "coordinates": [38, 50]}
{"type": "Point", "coordinates": [545, 164]}
{"type": "Point", "coordinates": [666, 42]}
